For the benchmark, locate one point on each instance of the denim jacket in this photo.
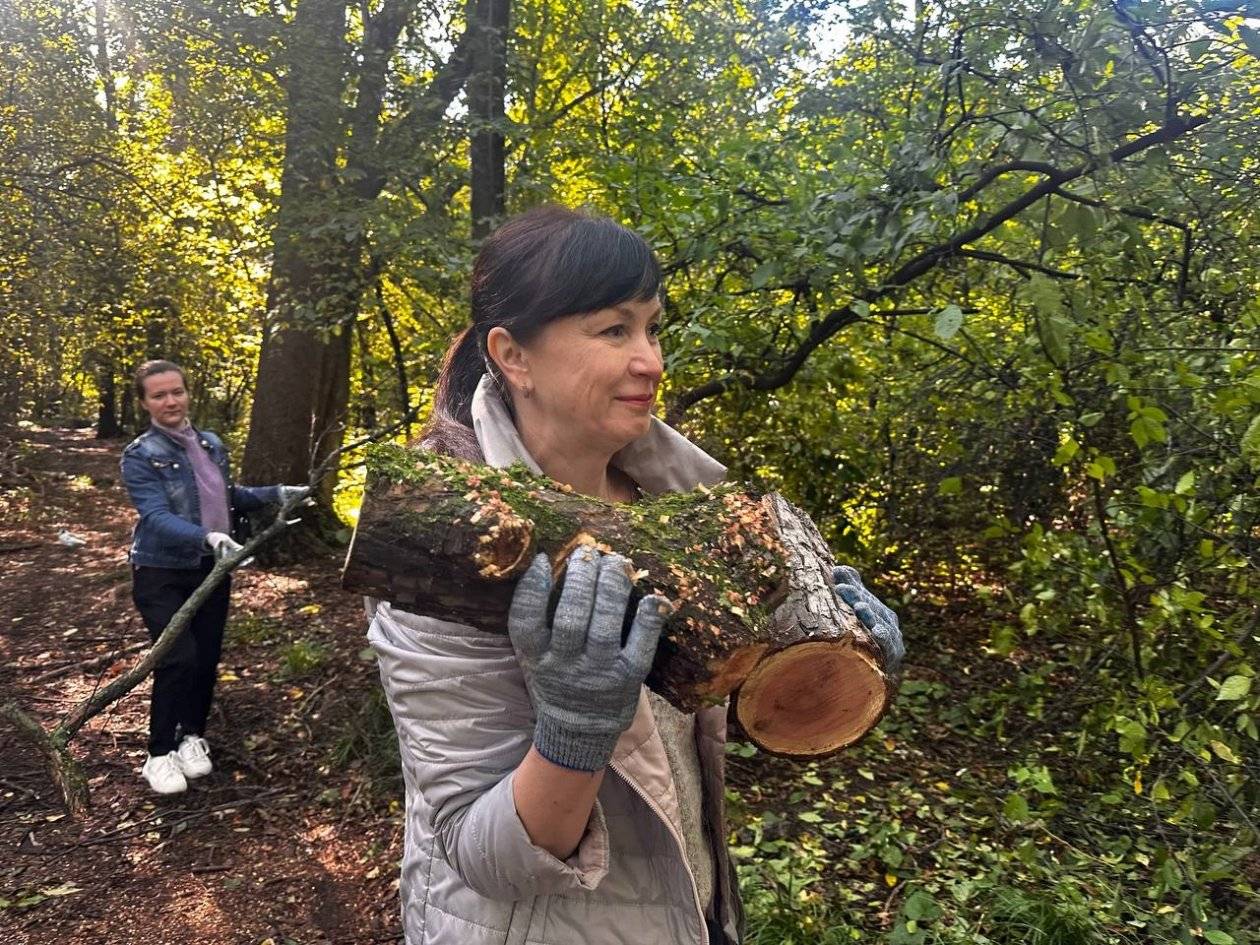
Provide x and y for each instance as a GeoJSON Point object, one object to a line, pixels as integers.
{"type": "Point", "coordinates": [159, 478]}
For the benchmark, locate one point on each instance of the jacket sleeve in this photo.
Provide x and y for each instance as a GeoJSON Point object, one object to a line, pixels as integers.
{"type": "Point", "coordinates": [464, 723]}
{"type": "Point", "coordinates": [253, 498]}
{"type": "Point", "coordinates": [148, 495]}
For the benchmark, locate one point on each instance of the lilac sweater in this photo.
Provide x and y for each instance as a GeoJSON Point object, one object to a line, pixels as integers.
{"type": "Point", "coordinates": [211, 489]}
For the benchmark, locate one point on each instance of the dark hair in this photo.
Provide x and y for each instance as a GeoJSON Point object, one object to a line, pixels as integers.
{"type": "Point", "coordinates": [545, 264]}
{"type": "Point", "coordinates": [159, 366]}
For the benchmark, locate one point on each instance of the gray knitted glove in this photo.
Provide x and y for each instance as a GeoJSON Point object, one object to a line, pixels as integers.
{"type": "Point", "coordinates": [874, 614]}
{"type": "Point", "coordinates": [221, 545]}
{"type": "Point", "coordinates": [583, 682]}
{"type": "Point", "coordinates": [294, 493]}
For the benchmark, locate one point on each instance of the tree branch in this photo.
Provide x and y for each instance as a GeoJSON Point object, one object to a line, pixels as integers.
{"type": "Point", "coordinates": [928, 260]}
{"type": "Point", "coordinates": [428, 107]}
{"type": "Point", "coordinates": [1021, 265]}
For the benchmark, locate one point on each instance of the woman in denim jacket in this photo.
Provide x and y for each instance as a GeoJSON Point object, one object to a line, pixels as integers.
{"type": "Point", "coordinates": [178, 480]}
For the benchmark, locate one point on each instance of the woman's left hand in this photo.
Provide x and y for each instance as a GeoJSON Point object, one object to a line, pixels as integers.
{"type": "Point", "coordinates": [875, 615]}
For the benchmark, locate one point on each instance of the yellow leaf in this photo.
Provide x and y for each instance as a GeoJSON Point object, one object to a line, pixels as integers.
{"type": "Point", "coordinates": [942, 785]}
{"type": "Point", "coordinates": [1137, 783]}
{"type": "Point", "coordinates": [1225, 753]}
{"type": "Point", "coordinates": [890, 879]}
{"type": "Point", "coordinates": [889, 744]}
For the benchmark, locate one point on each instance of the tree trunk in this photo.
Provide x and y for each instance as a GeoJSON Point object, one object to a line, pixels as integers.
{"type": "Point", "coordinates": [320, 269]}
{"type": "Point", "coordinates": [749, 579]}
{"type": "Point", "coordinates": [107, 425]}
{"type": "Point", "coordinates": [486, 87]}
{"type": "Point", "coordinates": [303, 370]}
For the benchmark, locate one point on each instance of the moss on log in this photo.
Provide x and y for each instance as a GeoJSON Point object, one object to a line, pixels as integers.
{"type": "Point", "coordinates": [748, 577]}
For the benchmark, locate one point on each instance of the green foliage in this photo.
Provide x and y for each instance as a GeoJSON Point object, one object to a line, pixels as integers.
{"type": "Point", "coordinates": [974, 283]}
{"type": "Point", "coordinates": [301, 658]}
{"type": "Point", "coordinates": [369, 739]}
{"type": "Point", "coordinates": [248, 629]}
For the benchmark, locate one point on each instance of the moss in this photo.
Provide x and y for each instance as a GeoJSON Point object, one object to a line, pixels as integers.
{"type": "Point", "coordinates": [655, 524]}
{"type": "Point", "coordinates": [518, 487]}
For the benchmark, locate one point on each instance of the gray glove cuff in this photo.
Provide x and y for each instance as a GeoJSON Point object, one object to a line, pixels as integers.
{"type": "Point", "coordinates": [571, 748]}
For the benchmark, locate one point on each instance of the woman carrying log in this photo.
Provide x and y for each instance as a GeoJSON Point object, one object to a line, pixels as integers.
{"type": "Point", "coordinates": [551, 797]}
{"type": "Point", "coordinates": [178, 480]}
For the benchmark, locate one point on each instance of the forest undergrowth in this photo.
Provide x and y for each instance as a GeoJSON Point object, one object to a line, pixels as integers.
{"type": "Point", "coordinates": [985, 807]}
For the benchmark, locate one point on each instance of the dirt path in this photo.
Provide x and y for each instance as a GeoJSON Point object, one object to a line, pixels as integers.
{"type": "Point", "coordinates": [283, 843]}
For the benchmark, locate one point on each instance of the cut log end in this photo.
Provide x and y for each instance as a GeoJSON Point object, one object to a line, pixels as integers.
{"type": "Point", "coordinates": [728, 673]}
{"type": "Point", "coordinates": [812, 699]}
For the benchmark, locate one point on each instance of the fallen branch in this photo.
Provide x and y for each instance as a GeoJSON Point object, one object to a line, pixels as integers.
{"type": "Point", "coordinates": [26, 546]}
{"type": "Point", "coordinates": [86, 665]}
{"type": "Point", "coordinates": [747, 577]}
{"type": "Point", "coordinates": [53, 745]}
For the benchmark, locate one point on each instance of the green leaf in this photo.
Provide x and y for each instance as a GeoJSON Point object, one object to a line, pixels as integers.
{"type": "Point", "coordinates": [1101, 467]}
{"type": "Point", "coordinates": [1044, 295]}
{"type": "Point", "coordinates": [1039, 777]}
{"type": "Point", "coordinates": [1067, 449]}
{"type": "Point", "coordinates": [950, 486]}
{"type": "Point", "coordinates": [761, 275]}
{"type": "Point", "coordinates": [1016, 807]}
{"type": "Point", "coordinates": [948, 322]}
{"type": "Point", "coordinates": [1224, 752]}
{"type": "Point", "coordinates": [1185, 483]}
{"type": "Point", "coordinates": [1250, 443]}
{"type": "Point", "coordinates": [1251, 38]}
{"type": "Point", "coordinates": [1055, 335]}
{"type": "Point", "coordinates": [1233, 689]}
{"type": "Point", "coordinates": [1217, 937]}
{"type": "Point", "coordinates": [920, 905]}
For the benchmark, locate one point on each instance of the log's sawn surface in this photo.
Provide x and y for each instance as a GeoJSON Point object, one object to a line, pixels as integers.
{"type": "Point", "coordinates": [749, 578]}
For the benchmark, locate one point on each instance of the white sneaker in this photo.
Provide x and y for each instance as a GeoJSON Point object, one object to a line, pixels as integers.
{"type": "Point", "coordinates": [163, 774]}
{"type": "Point", "coordinates": [193, 757]}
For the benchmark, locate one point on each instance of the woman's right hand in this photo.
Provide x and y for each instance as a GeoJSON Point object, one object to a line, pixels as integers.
{"type": "Point", "coordinates": [584, 683]}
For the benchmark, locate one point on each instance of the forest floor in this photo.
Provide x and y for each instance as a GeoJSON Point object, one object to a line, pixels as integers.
{"type": "Point", "coordinates": [297, 834]}
{"type": "Point", "coordinates": [285, 841]}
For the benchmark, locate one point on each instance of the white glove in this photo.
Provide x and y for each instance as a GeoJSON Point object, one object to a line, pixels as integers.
{"type": "Point", "coordinates": [293, 493]}
{"type": "Point", "coordinates": [222, 545]}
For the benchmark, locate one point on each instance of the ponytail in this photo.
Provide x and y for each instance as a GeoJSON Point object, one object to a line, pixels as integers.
{"type": "Point", "coordinates": [462, 370]}
{"type": "Point", "coordinates": [449, 429]}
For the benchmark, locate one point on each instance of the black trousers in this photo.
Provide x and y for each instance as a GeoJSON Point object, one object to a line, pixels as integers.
{"type": "Point", "coordinates": [183, 682]}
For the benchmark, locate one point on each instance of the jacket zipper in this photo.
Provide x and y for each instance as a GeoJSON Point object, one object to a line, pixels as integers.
{"type": "Point", "coordinates": [682, 848]}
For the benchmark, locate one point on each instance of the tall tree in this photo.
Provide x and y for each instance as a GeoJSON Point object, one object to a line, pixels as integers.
{"type": "Point", "coordinates": [341, 151]}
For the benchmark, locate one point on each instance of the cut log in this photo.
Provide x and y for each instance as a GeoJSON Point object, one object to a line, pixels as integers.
{"type": "Point", "coordinates": [749, 578]}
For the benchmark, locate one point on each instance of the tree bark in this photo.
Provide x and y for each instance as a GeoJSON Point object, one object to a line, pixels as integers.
{"type": "Point", "coordinates": [107, 425]}
{"type": "Point", "coordinates": [298, 368]}
{"type": "Point", "coordinates": [749, 579]}
{"type": "Point", "coordinates": [320, 266]}
{"type": "Point", "coordinates": [486, 86]}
